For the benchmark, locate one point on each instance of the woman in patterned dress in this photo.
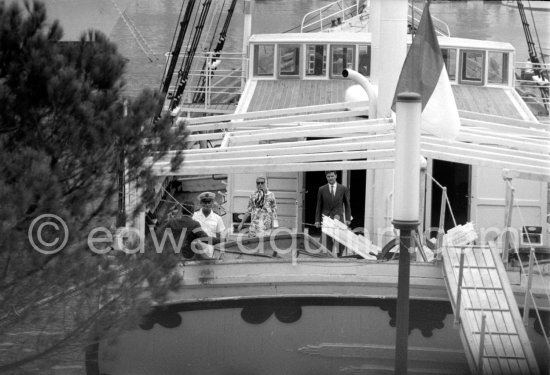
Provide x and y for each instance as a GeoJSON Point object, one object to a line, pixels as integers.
{"type": "Point", "coordinates": [262, 208]}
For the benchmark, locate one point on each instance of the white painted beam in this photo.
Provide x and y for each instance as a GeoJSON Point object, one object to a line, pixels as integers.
{"type": "Point", "coordinates": [287, 167]}
{"type": "Point", "coordinates": [503, 120]}
{"type": "Point", "coordinates": [483, 162]}
{"type": "Point", "coordinates": [272, 113]}
{"type": "Point", "coordinates": [274, 121]}
{"type": "Point", "coordinates": [263, 150]}
{"type": "Point", "coordinates": [506, 128]}
{"type": "Point", "coordinates": [289, 158]}
{"type": "Point", "coordinates": [488, 152]}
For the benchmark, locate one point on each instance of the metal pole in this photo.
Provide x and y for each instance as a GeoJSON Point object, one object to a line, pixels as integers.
{"type": "Point", "coordinates": [402, 326]}
{"type": "Point", "coordinates": [459, 289]}
{"type": "Point", "coordinates": [121, 216]}
{"type": "Point", "coordinates": [481, 345]}
{"type": "Point", "coordinates": [528, 288]}
{"type": "Point", "coordinates": [405, 210]}
{"type": "Point", "coordinates": [441, 230]}
{"type": "Point", "coordinates": [507, 220]}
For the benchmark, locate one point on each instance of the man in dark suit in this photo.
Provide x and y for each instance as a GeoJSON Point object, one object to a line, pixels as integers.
{"type": "Point", "coordinates": [333, 201]}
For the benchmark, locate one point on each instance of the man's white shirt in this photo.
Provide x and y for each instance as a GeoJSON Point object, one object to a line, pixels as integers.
{"type": "Point", "coordinates": [210, 225]}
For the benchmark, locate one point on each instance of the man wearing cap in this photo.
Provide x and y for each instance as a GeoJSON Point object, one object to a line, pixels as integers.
{"type": "Point", "coordinates": [210, 222]}
{"type": "Point", "coordinates": [187, 233]}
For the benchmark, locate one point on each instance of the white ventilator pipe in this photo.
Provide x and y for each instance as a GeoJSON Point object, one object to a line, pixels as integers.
{"type": "Point", "coordinates": [407, 157]}
{"type": "Point", "coordinates": [369, 88]}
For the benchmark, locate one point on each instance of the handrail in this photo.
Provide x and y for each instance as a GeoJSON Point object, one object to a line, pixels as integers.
{"type": "Point", "coordinates": [533, 262]}
{"type": "Point", "coordinates": [440, 26]}
{"type": "Point", "coordinates": [318, 21]}
{"type": "Point", "coordinates": [340, 13]}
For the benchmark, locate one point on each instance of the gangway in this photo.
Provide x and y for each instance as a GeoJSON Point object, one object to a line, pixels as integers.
{"type": "Point", "coordinates": [491, 328]}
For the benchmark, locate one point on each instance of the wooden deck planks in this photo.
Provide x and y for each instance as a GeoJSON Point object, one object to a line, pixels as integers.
{"type": "Point", "coordinates": [488, 100]}
{"type": "Point", "coordinates": [506, 352]}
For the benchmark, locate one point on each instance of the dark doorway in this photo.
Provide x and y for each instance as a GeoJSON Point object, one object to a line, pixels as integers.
{"type": "Point", "coordinates": [356, 184]}
{"type": "Point", "coordinates": [357, 187]}
{"type": "Point", "coordinates": [456, 178]}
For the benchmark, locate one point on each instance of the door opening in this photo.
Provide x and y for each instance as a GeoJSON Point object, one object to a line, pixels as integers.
{"type": "Point", "coordinates": [357, 186]}
{"type": "Point", "coordinates": [456, 178]}
{"type": "Point", "coordinates": [314, 180]}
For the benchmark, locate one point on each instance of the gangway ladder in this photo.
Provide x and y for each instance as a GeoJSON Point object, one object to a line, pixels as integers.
{"type": "Point", "coordinates": [491, 329]}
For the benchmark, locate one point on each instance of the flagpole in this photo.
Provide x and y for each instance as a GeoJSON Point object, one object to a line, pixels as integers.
{"type": "Point", "coordinates": [406, 209]}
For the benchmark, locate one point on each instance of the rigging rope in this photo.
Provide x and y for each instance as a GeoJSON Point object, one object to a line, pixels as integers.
{"type": "Point", "coordinates": [132, 31]}
{"type": "Point", "coordinates": [536, 32]}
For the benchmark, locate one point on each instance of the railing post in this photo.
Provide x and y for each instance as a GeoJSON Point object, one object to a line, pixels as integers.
{"type": "Point", "coordinates": [207, 85]}
{"type": "Point", "coordinates": [507, 220]}
{"type": "Point", "coordinates": [441, 230]}
{"type": "Point", "coordinates": [459, 288]}
{"type": "Point", "coordinates": [481, 345]}
{"type": "Point", "coordinates": [528, 288]}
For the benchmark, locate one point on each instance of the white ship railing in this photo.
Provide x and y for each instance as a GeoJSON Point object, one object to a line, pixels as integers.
{"type": "Point", "coordinates": [321, 19]}
{"type": "Point", "coordinates": [535, 266]}
{"type": "Point", "coordinates": [341, 11]}
{"type": "Point", "coordinates": [221, 81]}
{"type": "Point", "coordinates": [533, 89]}
{"type": "Point", "coordinates": [441, 28]}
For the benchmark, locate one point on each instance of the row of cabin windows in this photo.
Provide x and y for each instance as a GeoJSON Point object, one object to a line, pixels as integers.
{"type": "Point", "coordinates": [315, 61]}
{"type": "Point", "coordinates": [470, 67]}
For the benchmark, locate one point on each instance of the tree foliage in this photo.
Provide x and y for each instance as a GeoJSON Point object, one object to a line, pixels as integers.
{"type": "Point", "coordinates": [64, 125]}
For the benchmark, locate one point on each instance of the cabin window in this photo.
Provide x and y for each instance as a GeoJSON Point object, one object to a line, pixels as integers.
{"type": "Point", "coordinates": [289, 60]}
{"type": "Point", "coordinates": [343, 57]}
{"type": "Point", "coordinates": [316, 60]}
{"type": "Point", "coordinates": [498, 68]}
{"type": "Point", "coordinates": [264, 57]}
{"type": "Point", "coordinates": [364, 60]}
{"type": "Point", "coordinates": [449, 57]}
{"type": "Point", "coordinates": [472, 66]}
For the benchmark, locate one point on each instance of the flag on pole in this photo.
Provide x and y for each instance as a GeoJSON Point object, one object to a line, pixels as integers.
{"type": "Point", "coordinates": [424, 72]}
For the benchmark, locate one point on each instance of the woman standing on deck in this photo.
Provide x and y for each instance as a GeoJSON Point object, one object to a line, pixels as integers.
{"type": "Point", "coordinates": [262, 208]}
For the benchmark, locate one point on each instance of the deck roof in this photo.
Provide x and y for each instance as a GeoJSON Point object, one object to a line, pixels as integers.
{"type": "Point", "coordinates": [283, 140]}
{"type": "Point", "coordinates": [500, 101]}
{"type": "Point", "coordinates": [290, 93]}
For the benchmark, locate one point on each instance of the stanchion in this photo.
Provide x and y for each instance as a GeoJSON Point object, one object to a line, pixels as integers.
{"type": "Point", "coordinates": [406, 210]}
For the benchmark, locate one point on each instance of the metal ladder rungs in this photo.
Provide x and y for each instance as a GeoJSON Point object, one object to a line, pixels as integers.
{"type": "Point", "coordinates": [478, 267]}
{"type": "Point", "coordinates": [482, 287]}
{"type": "Point", "coordinates": [496, 333]}
{"type": "Point", "coordinates": [503, 356]}
{"type": "Point", "coordinates": [487, 309]}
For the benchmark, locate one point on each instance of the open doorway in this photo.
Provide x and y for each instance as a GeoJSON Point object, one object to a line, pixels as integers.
{"type": "Point", "coordinates": [312, 182]}
{"type": "Point", "coordinates": [356, 182]}
{"type": "Point", "coordinates": [456, 178]}
{"type": "Point", "coordinates": [357, 186]}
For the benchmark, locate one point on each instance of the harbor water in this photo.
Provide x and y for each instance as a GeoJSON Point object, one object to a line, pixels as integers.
{"type": "Point", "coordinates": [144, 29]}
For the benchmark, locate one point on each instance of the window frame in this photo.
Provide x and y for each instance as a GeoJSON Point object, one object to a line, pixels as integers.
{"type": "Point", "coordinates": [299, 59]}
{"type": "Point", "coordinates": [354, 59]}
{"type": "Point", "coordinates": [306, 63]}
{"type": "Point", "coordinates": [505, 68]}
{"type": "Point", "coordinates": [253, 74]}
{"type": "Point", "coordinates": [462, 59]}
